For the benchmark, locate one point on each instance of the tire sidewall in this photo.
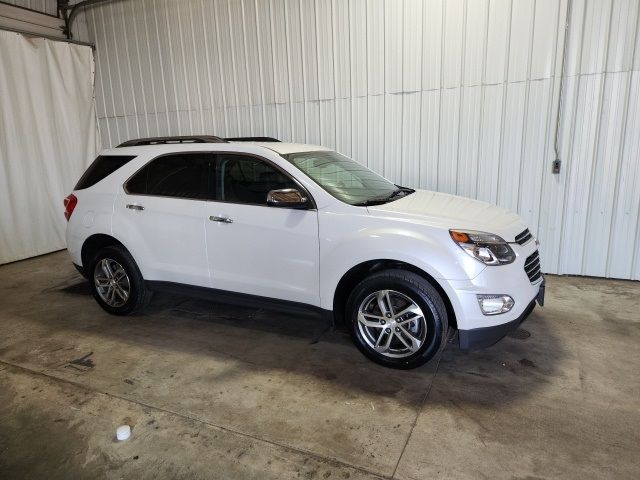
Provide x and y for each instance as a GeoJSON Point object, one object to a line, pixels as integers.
{"type": "Point", "coordinates": [435, 319]}
{"type": "Point", "coordinates": [135, 279]}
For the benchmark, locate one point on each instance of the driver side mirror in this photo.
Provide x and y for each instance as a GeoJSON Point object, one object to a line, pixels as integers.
{"type": "Point", "coordinates": [287, 198]}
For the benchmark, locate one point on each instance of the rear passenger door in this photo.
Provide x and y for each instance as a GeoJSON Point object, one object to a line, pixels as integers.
{"type": "Point", "coordinates": [160, 215]}
{"type": "Point", "coordinates": [257, 249]}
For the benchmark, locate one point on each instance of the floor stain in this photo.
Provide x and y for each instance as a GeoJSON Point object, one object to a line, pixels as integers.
{"type": "Point", "coordinates": [82, 364]}
{"type": "Point", "coordinates": [525, 362]}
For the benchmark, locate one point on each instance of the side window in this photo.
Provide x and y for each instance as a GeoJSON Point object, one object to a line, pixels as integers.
{"type": "Point", "coordinates": [102, 167]}
{"type": "Point", "coordinates": [182, 175]}
{"type": "Point", "coordinates": [243, 179]}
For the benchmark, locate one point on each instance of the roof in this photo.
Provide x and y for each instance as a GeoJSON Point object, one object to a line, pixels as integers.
{"type": "Point", "coordinates": [139, 142]}
{"type": "Point", "coordinates": [278, 147]}
{"type": "Point", "coordinates": [284, 148]}
{"type": "Point", "coordinates": [271, 143]}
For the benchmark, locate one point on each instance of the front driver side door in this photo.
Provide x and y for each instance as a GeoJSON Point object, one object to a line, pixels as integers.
{"type": "Point", "coordinates": [254, 248]}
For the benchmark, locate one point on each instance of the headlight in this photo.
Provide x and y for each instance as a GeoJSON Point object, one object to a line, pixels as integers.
{"type": "Point", "coordinates": [485, 247]}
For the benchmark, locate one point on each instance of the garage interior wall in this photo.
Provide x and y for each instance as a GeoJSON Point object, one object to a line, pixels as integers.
{"type": "Point", "coordinates": [48, 136]}
{"type": "Point", "coordinates": [456, 96]}
{"type": "Point", "coordinates": [50, 7]}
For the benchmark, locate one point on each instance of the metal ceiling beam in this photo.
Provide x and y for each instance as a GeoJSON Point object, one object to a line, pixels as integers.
{"type": "Point", "coordinates": [70, 12]}
{"type": "Point", "coordinates": [14, 17]}
{"type": "Point", "coordinates": [48, 37]}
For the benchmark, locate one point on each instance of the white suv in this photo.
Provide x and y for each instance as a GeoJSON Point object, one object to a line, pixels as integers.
{"type": "Point", "coordinates": [260, 222]}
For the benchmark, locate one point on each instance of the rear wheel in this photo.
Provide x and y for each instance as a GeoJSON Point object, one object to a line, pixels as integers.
{"type": "Point", "coordinates": [397, 319]}
{"type": "Point", "coordinates": [116, 281]}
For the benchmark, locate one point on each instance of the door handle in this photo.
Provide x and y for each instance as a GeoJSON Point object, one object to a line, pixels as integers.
{"type": "Point", "coordinates": [135, 207]}
{"type": "Point", "coordinates": [220, 219]}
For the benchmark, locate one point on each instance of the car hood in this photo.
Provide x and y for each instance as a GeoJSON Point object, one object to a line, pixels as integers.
{"type": "Point", "coordinates": [451, 211]}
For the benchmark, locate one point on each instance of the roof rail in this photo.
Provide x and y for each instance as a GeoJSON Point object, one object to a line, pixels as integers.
{"type": "Point", "coordinates": [252, 139]}
{"type": "Point", "coordinates": [164, 140]}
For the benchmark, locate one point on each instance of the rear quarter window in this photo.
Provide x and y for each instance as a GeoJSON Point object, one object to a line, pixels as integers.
{"type": "Point", "coordinates": [102, 167]}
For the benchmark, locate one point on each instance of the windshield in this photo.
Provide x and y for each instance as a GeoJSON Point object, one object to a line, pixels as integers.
{"type": "Point", "coordinates": [346, 179]}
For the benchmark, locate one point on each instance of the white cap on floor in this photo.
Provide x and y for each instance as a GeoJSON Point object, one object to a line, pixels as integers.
{"type": "Point", "coordinates": [123, 432]}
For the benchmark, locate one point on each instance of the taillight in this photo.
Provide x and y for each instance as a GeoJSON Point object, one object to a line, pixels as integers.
{"type": "Point", "coordinates": [69, 204]}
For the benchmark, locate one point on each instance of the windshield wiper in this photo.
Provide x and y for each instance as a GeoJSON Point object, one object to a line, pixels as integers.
{"type": "Point", "coordinates": [404, 190]}
{"type": "Point", "coordinates": [386, 199]}
{"type": "Point", "coordinates": [369, 203]}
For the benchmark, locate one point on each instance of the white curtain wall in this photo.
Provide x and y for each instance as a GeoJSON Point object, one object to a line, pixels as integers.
{"type": "Point", "coordinates": [48, 136]}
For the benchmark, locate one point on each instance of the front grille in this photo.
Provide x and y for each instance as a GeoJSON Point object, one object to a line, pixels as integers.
{"type": "Point", "coordinates": [532, 267]}
{"type": "Point", "coordinates": [524, 237]}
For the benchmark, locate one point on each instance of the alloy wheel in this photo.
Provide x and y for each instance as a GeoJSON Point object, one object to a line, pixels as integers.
{"type": "Point", "coordinates": [112, 282]}
{"type": "Point", "coordinates": [392, 324]}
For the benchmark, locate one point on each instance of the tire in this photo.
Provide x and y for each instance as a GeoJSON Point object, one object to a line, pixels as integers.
{"type": "Point", "coordinates": [118, 260]}
{"type": "Point", "coordinates": [411, 339]}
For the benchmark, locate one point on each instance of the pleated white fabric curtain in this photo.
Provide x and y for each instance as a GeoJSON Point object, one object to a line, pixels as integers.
{"type": "Point", "coordinates": [48, 136]}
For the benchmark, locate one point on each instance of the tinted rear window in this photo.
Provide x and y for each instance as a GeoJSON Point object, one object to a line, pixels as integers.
{"type": "Point", "coordinates": [102, 167]}
{"type": "Point", "coordinates": [181, 175]}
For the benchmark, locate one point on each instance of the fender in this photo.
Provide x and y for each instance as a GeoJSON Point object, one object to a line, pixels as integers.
{"type": "Point", "coordinates": [92, 216]}
{"type": "Point", "coordinates": [98, 241]}
{"type": "Point", "coordinates": [425, 250]}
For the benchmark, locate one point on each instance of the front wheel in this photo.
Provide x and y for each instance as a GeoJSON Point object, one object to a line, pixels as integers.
{"type": "Point", "coordinates": [397, 319]}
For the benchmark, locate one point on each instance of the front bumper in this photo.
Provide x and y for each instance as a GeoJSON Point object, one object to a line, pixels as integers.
{"type": "Point", "coordinates": [510, 279]}
{"type": "Point", "coordinates": [81, 270]}
{"type": "Point", "coordinates": [477, 338]}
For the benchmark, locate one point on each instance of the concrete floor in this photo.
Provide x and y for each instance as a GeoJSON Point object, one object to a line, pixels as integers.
{"type": "Point", "coordinates": [214, 391]}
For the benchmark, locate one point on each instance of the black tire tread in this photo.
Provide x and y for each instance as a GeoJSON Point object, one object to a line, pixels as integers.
{"type": "Point", "coordinates": [141, 295]}
{"type": "Point", "coordinates": [428, 291]}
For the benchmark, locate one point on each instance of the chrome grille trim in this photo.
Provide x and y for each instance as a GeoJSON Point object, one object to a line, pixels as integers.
{"type": "Point", "coordinates": [524, 237]}
{"type": "Point", "coordinates": [530, 261]}
{"type": "Point", "coordinates": [534, 272]}
{"type": "Point", "coordinates": [532, 267]}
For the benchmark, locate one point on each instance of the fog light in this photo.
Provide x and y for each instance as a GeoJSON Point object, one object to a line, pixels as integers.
{"type": "Point", "coordinates": [495, 304]}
